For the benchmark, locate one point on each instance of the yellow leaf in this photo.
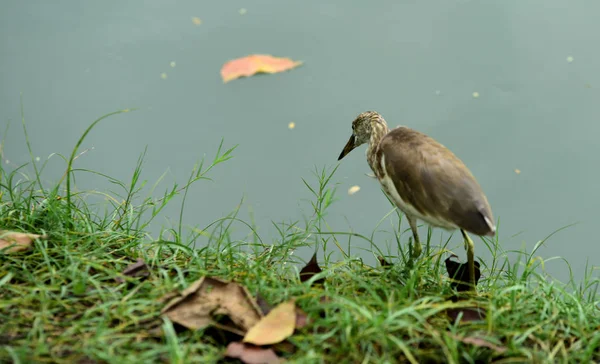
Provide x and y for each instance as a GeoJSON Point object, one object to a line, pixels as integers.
{"type": "Point", "coordinates": [277, 326]}
{"type": "Point", "coordinates": [12, 242]}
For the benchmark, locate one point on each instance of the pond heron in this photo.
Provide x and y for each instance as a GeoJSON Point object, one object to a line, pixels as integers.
{"type": "Point", "coordinates": [425, 180]}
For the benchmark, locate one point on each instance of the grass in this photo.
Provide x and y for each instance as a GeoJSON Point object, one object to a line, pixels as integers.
{"type": "Point", "coordinates": [59, 302]}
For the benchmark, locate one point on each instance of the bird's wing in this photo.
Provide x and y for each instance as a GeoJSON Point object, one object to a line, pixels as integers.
{"type": "Point", "coordinates": [434, 181]}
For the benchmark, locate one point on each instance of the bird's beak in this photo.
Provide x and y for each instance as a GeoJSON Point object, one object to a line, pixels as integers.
{"type": "Point", "coordinates": [348, 148]}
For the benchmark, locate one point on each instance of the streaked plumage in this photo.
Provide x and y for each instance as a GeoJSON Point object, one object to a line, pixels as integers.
{"type": "Point", "coordinates": [424, 179]}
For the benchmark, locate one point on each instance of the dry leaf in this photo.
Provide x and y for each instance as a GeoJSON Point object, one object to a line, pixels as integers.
{"type": "Point", "coordinates": [310, 269]}
{"type": "Point", "coordinates": [275, 327]}
{"type": "Point", "coordinates": [13, 242]}
{"type": "Point", "coordinates": [197, 305]}
{"type": "Point", "coordinates": [291, 125]}
{"type": "Point", "coordinates": [137, 269]}
{"type": "Point", "coordinates": [352, 190]}
{"type": "Point", "coordinates": [196, 20]}
{"type": "Point", "coordinates": [265, 307]}
{"type": "Point", "coordinates": [459, 273]}
{"type": "Point", "coordinates": [256, 63]}
{"type": "Point", "coordinates": [517, 171]}
{"type": "Point", "coordinates": [481, 342]}
{"type": "Point", "coordinates": [301, 318]}
{"type": "Point", "coordinates": [250, 354]}
{"type": "Point", "coordinates": [468, 314]}
{"type": "Point", "coordinates": [383, 262]}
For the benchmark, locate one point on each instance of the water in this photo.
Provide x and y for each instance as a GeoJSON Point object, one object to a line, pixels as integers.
{"type": "Point", "coordinates": [417, 63]}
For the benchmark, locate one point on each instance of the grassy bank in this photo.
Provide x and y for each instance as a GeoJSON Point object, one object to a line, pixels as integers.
{"type": "Point", "coordinates": [61, 299]}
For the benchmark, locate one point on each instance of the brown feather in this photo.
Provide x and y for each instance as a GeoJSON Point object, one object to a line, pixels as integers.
{"type": "Point", "coordinates": [434, 181]}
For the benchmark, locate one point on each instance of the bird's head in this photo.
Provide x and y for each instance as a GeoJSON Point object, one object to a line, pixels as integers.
{"type": "Point", "coordinates": [365, 124]}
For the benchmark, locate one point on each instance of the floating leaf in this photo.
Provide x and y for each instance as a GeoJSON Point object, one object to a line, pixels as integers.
{"type": "Point", "coordinates": [250, 354]}
{"type": "Point", "coordinates": [310, 269]}
{"type": "Point", "coordinates": [459, 272]}
{"type": "Point", "coordinates": [203, 300]}
{"type": "Point", "coordinates": [256, 63]}
{"type": "Point", "coordinates": [196, 20]}
{"type": "Point", "coordinates": [275, 327]}
{"type": "Point", "coordinates": [13, 242]}
{"type": "Point", "coordinates": [352, 190]}
{"type": "Point", "coordinates": [137, 269]}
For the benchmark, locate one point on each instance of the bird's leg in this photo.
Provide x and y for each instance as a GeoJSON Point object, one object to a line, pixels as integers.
{"type": "Point", "coordinates": [417, 243]}
{"type": "Point", "coordinates": [470, 247]}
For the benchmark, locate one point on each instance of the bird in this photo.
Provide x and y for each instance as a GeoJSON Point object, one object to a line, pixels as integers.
{"type": "Point", "coordinates": [425, 180]}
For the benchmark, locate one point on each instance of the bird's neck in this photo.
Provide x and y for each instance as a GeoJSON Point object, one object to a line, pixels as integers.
{"type": "Point", "coordinates": [379, 129]}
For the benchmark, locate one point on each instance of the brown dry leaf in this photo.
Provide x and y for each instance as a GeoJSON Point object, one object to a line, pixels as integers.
{"type": "Point", "coordinates": [383, 262]}
{"type": "Point", "coordinates": [13, 242]}
{"type": "Point", "coordinates": [207, 297]}
{"type": "Point", "coordinates": [468, 314]}
{"type": "Point", "coordinates": [137, 269]}
{"type": "Point", "coordinates": [250, 354]}
{"type": "Point", "coordinates": [265, 307]}
{"type": "Point", "coordinates": [256, 63]}
{"type": "Point", "coordinates": [275, 327]}
{"type": "Point", "coordinates": [301, 318]}
{"type": "Point", "coordinates": [459, 273]}
{"type": "Point", "coordinates": [310, 269]}
{"type": "Point", "coordinates": [481, 342]}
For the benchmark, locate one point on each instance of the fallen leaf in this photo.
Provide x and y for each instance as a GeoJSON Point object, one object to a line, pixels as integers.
{"type": "Point", "coordinates": [292, 125]}
{"type": "Point", "coordinates": [242, 11]}
{"type": "Point", "coordinates": [137, 269]}
{"type": "Point", "coordinates": [468, 314]}
{"type": "Point", "coordinates": [275, 327]}
{"type": "Point", "coordinates": [310, 269]}
{"type": "Point", "coordinates": [256, 63]}
{"type": "Point", "coordinates": [517, 171]}
{"type": "Point", "coordinates": [383, 262]}
{"type": "Point", "coordinates": [199, 304]}
{"type": "Point", "coordinates": [301, 318]}
{"type": "Point", "coordinates": [173, 64]}
{"type": "Point", "coordinates": [459, 273]}
{"type": "Point", "coordinates": [196, 20]}
{"type": "Point", "coordinates": [481, 342]}
{"type": "Point", "coordinates": [265, 307]}
{"type": "Point", "coordinates": [570, 59]}
{"type": "Point", "coordinates": [163, 76]}
{"type": "Point", "coordinates": [475, 94]}
{"type": "Point", "coordinates": [352, 190]}
{"type": "Point", "coordinates": [13, 242]}
{"type": "Point", "coordinates": [250, 354]}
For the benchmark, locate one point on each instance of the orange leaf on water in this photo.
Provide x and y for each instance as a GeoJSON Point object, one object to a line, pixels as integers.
{"type": "Point", "coordinates": [256, 63]}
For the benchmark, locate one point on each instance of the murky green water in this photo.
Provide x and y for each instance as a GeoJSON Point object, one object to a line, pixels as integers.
{"type": "Point", "coordinates": [418, 63]}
